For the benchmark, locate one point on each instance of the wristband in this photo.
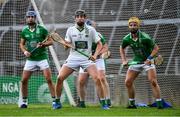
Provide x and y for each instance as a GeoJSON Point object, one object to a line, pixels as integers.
{"type": "Point", "coordinates": [150, 57]}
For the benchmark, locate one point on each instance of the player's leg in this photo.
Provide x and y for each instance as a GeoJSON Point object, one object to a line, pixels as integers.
{"type": "Point", "coordinates": [152, 77]}
{"type": "Point", "coordinates": [64, 72]}
{"type": "Point", "coordinates": [24, 88]}
{"type": "Point", "coordinates": [105, 86]}
{"type": "Point", "coordinates": [44, 66]}
{"type": "Point", "coordinates": [82, 83]}
{"type": "Point", "coordinates": [92, 70]}
{"type": "Point", "coordinates": [29, 67]}
{"type": "Point", "coordinates": [47, 75]}
{"type": "Point", "coordinates": [100, 64]}
{"type": "Point", "coordinates": [130, 77]}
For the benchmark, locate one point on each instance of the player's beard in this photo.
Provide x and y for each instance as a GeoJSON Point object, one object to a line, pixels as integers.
{"type": "Point", "coordinates": [134, 30]}
{"type": "Point", "coordinates": [80, 24]}
{"type": "Point", "coordinates": [31, 23]}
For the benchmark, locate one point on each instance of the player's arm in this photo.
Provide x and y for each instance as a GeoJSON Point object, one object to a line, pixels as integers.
{"type": "Point", "coordinates": [103, 41]}
{"type": "Point", "coordinates": [67, 39]}
{"type": "Point", "coordinates": [67, 45]}
{"type": "Point", "coordinates": [97, 52]}
{"type": "Point", "coordinates": [104, 49]}
{"type": "Point", "coordinates": [47, 43]}
{"type": "Point", "coordinates": [155, 50]}
{"type": "Point", "coordinates": [151, 43]}
{"type": "Point", "coordinates": [122, 51]}
{"type": "Point", "coordinates": [47, 39]}
{"type": "Point", "coordinates": [105, 53]}
{"type": "Point", "coordinates": [123, 55]}
{"type": "Point", "coordinates": [153, 53]}
{"type": "Point", "coordinates": [23, 48]}
{"type": "Point", "coordinates": [98, 42]}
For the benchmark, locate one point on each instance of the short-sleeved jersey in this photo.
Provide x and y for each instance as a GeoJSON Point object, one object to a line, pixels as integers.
{"type": "Point", "coordinates": [142, 47]}
{"type": "Point", "coordinates": [81, 40]}
{"type": "Point", "coordinates": [94, 45]}
{"type": "Point", "coordinates": [32, 38]}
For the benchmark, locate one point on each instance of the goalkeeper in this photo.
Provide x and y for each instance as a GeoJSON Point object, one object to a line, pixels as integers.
{"type": "Point", "coordinates": [100, 64]}
{"type": "Point", "coordinates": [32, 37]}
{"type": "Point", "coordinates": [144, 49]}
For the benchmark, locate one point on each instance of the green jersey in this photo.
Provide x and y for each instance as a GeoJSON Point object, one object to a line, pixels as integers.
{"type": "Point", "coordinates": [94, 45]}
{"type": "Point", "coordinates": [142, 47]}
{"type": "Point", "coordinates": [32, 38]}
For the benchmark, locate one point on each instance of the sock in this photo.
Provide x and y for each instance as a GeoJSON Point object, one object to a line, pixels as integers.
{"type": "Point", "coordinates": [159, 103]}
{"type": "Point", "coordinates": [82, 101]}
{"type": "Point", "coordinates": [24, 99]}
{"type": "Point", "coordinates": [158, 99]}
{"type": "Point", "coordinates": [53, 99]}
{"type": "Point", "coordinates": [108, 101]}
{"type": "Point", "coordinates": [131, 101]}
{"type": "Point", "coordinates": [57, 100]}
{"type": "Point", "coordinates": [103, 102]}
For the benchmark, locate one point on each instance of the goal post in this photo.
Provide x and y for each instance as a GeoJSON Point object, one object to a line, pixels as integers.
{"type": "Point", "coordinates": [56, 61]}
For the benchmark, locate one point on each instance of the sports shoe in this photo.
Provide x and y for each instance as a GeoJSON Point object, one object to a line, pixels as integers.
{"type": "Point", "coordinates": [108, 101]}
{"type": "Point", "coordinates": [82, 104]}
{"type": "Point", "coordinates": [105, 107]}
{"type": "Point", "coordinates": [132, 107]}
{"type": "Point", "coordinates": [159, 104]}
{"type": "Point", "coordinates": [24, 105]}
{"type": "Point", "coordinates": [56, 105]}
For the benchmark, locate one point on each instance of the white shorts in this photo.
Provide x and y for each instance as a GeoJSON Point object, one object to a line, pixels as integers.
{"type": "Point", "coordinates": [100, 64]}
{"type": "Point", "coordinates": [141, 67]}
{"type": "Point", "coordinates": [76, 64]}
{"type": "Point", "coordinates": [36, 65]}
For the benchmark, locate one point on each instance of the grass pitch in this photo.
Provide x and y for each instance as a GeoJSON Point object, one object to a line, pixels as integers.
{"type": "Point", "coordinates": [46, 110]}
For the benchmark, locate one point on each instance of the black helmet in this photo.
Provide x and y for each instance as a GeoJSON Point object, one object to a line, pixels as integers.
{"type": "Point", "coordinates": [80, 12]}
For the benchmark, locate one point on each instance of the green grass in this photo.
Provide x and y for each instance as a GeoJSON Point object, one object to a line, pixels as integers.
{"type": "Point", "coordinates": [46, 110]}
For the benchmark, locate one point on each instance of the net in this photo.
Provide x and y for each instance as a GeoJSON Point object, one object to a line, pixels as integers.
{"type": "Point", "coordinates": [13, 60]}
{"type": "Point", "coordinates": [160, 19]}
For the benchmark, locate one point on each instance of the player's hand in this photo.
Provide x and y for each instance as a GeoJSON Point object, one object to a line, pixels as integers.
{"type": "Point", "coordinates": [92, 58]}
{"type": "Point", "coordinates": [27, 54]}
{"type": "Point", "coordinates": [66, 46]}
{"type": "Point", "coordinates": [125, 63]}
{"type": "Point", "coordinates": [106, 55]}
{"type": "Point", "coordinates": [40, 45]}
{"type": "Point", "coordinates": [147, 62]}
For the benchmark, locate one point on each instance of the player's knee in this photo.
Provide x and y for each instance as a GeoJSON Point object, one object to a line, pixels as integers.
{"type": "Point", "coordinates": [49, 81]}
{"type": "Point", "coordinates": [153, 82]}
{"type": "Point", "coordinates": [97, 81]}
{"type": "Point", "coordinates": [102, 80]}
{"type": "Point", "coordinates": [24, 81]}
{"type": "Point", "coordinates": [81, 83]}
{"type": "Point", "coordinates": [128, 83]}
{"type": "Point", "coordinates": [60, 78]}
